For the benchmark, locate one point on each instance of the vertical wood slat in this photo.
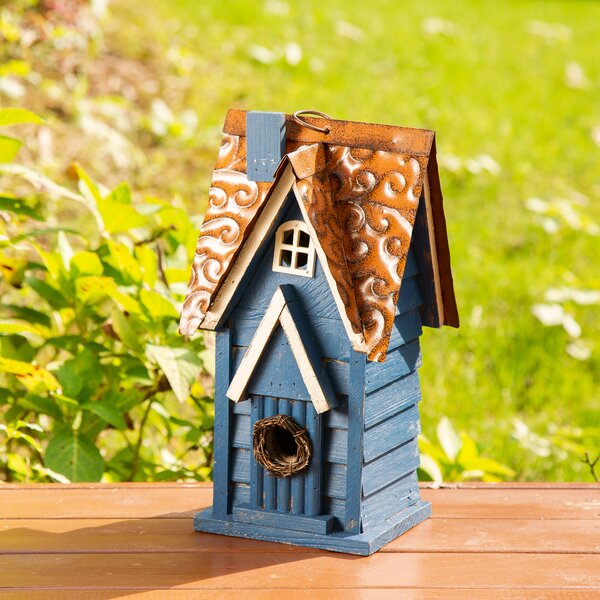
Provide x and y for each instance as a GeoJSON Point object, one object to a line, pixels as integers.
{"type": "Point", "coordinates": [356, 403]}
{"type": "Point", "coordinates": [265, 145]}
{"type": "Point", "coordinates": [283, 483]}
{"type": "Point", "coordinates": [297, 484]}
{"type": "Point", "coordinates": [314, 475]}
{"type": "Point", "coordinates": [256, 471]}
{"type": "Point", "coordinates": [221, 498]}
{"type": "Point", "coordinates": [270, 482]}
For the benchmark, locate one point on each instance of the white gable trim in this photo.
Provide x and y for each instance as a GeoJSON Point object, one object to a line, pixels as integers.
{"type": "Point", "coordinates": [278, 194]}
{"type": "Point", "coordinates": [313, 373]}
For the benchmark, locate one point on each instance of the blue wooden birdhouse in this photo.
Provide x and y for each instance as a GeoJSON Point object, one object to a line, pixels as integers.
{"type": "Point", "coordinates": [322, 254]}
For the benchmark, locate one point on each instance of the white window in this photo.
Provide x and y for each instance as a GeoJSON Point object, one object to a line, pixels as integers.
{"type": "Point", "coordinates": [294, 250]}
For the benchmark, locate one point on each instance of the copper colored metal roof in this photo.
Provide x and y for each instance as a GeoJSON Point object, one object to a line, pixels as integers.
{"type": "Point", "coordinates": [360, 185]}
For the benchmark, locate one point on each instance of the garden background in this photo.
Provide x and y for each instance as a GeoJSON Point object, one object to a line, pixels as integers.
{"type": "Point", "coordinates": [103, 185]}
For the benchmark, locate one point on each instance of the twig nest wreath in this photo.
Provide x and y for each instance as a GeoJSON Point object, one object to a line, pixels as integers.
{"type": "Point", "coordinates": [281, 446]}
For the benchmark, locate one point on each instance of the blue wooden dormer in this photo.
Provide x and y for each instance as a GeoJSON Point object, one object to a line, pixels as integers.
{"type": "Point", "coordinates": [318, 281]}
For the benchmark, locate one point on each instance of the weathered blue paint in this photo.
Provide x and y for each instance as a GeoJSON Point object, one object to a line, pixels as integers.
{"type": "Point", "coordinates": [263, 255]}
{"type": "Point", "coordinates": [391, 433]}
{"type": "Point", "coordinates": [386, 502]}
{"type": "Point", "coordinates": [240, 465]}
{"type": "Point", "coordinates": [297, 484]}
{"type": "Point", "coordinates": [284, 483]}
{"type": "Point", "coordinates": [390, 467]}
{"type": "Point", "coordinates": [399, 363]}
{"type": "Point", "coordinates": [256, 479]}
{"type": "Point", "coordinates": [337, 541]}
{"type": "Point", "coordinates": [265, 145]}
{"type": "Point", "coordinates": [322, 524]}
{"type": "Point", "coordinates": [335, 480]}
{"type": "Point", "coordinates": [312, 484]}
{"type": "Point", "coordinates": [356, 400]}
{"type": "Point", "coordinates": [410, 297]}
{"type": "Point", "coordinates": [389, 400]}
{"type": "Point", "coordinates": [269, 481]}
{"type": "Point", "coordinates": [420, 242]}
{"type": "Point", "coordinates": [221, 500]}
{"type": "Point", "coordinates": [360, 489]}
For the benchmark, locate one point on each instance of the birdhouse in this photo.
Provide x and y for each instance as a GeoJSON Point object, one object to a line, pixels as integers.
{"type": "Point", "coordinates": [322, 254]}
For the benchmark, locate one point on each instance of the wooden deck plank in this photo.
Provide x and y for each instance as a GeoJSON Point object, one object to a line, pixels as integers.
{"type": "Point", "coordinates": [136, 540]}
{"type": "Point", "coordinates": [183, 500]}
{"type": "Point", "coordinates": [270, 594]}
{"type": "Point", "coordinates": [19, 536]}
{"type": "Point", "coordinates": [314, 570]}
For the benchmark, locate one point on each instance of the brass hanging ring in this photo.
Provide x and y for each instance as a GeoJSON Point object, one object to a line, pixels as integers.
{"type": "Point", "coordinates": [303, 123]}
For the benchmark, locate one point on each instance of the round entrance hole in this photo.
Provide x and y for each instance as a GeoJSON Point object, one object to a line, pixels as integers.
{"type": "Point", "coordinates": [281, 446]}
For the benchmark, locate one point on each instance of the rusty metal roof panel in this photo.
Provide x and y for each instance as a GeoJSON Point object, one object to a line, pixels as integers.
{"type": "Point", "coordinates": [360, 185]}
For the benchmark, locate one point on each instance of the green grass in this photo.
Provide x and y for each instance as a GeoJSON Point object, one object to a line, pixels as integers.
{"type": "Point", "coordinates": [493, 82]}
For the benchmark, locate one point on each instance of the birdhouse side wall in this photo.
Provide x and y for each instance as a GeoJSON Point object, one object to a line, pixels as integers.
{"type": "Point", "coordinates": [391, 416]}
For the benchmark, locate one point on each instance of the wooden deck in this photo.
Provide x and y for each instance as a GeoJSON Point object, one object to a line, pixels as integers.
{"type": "Point", "coordinates": [136, 540]}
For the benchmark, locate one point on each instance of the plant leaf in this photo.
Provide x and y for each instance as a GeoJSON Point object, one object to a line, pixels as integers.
{"type": "Point", "coordinates": [125, 331]}
{"type": "Point", "coordinates": [180, 366]}
{"type": "Point", "coordinates": [31, 376]}
{"type": "Point", "coordinates": [86, 263]}
{"type": "Point", "coordinates": [9, 147]}
{"type": "Point", "coordinates": [124, 262]}
{"type": "Point", "coordinates": [449, 438]}
{"type": "Point", "coordinates": [18, 116]}
{"type": "Point", "coordinates": [91, 288]}
{"type": "Point", "coordinates": [18, 206]}
{"type": "Point", "coordinates": [80, 376]}
{"type": "Point", "coordinates": [107, 412]}
{"type": "Point", "coordinates": [430, 466]}
{"type": "Point", "coordinates": [158, 306]}
{"type": "Point", "coordinates": [74, 456]}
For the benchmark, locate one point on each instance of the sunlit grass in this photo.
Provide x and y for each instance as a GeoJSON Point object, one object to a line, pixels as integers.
{"type": "Point", "coordinates": [513, 90]}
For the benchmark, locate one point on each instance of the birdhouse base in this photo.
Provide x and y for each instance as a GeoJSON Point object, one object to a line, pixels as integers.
{"type": "Point", "coordinates": [337, 541]}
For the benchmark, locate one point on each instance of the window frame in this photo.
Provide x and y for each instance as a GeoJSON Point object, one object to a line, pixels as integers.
{"type": "Point", "coordinates": [296, 227]}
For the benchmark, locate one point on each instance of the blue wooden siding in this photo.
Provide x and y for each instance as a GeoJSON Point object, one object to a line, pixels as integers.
{"type": "Point", "coordinates": [391, 418]}
{"type": "Point", "coordinates": [331, 481]}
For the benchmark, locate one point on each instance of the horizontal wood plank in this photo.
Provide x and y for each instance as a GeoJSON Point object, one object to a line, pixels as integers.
{"type": "Point", "coordinates": [316, 570]}
{"type": "Point", "coordinates": [271, 594]}
{"type": "Point", "coordinates": [25, 536]}
{"type": "Point", "coordinates": [182, 500]}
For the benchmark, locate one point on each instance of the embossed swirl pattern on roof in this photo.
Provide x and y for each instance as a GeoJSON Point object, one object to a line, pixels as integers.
{"type": "Point", "coordinates": [376, 194]}
{"type": "Point", "coordinates": [232, 205]}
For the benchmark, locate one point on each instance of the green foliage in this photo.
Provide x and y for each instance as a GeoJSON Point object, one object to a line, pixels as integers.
{"type": "Point", "coordinates": [95, 380]}
{"type": "Point", "coordinates": [511, 90]}
{"type": "Point", "coordinates": [456, 458]}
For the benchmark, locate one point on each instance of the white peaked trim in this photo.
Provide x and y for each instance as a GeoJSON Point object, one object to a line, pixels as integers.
{"type": "Point", "coordinates": [434, 258]}
{"type": "Point", "coordinates": [311, 369]}
{"type": "Point", "coordinates": [315, 388]}
{"type": "Point", "coordinates": [265, 329]}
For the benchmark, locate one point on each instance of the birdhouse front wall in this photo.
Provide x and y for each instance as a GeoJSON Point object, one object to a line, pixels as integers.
{"type": "Point", "coordinates": [277, 387]}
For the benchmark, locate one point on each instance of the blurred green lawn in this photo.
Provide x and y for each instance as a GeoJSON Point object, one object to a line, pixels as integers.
{"type": "Point", "coordinates": [513, 91]}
